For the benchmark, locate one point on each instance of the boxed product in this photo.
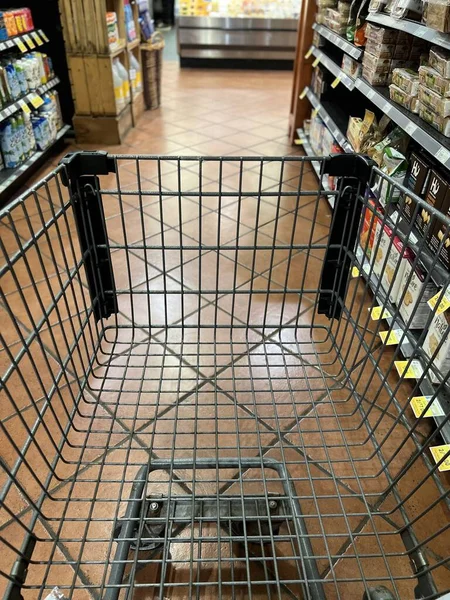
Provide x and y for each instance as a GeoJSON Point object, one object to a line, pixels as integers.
{"type": "Point", "coordinates": [380, 50]}
{"type": "Point", "coordinates": [416, 180]}
{"type": "Point", "coordinates": [407, 80]}
{"type": "Point", "coordinates": [375, 77]}
{"type": "Point", "coordinates": [407, 9]}
{"type": "Point", "coordinates": [436, 102]}
{"type": "Point", "coordinates": [442, 124]}
{"type": "Point", "coordinates": [439, 60]}
{"type": "Point", "coordinates": [368, 228]}
{"type": "Point", "coordinates": [353, 129]}
{"type": "Point", "coordinates": [401, 97]}
{"type": "Point", "coordinates": [397, 139]}
{"type": "Point", "coordinates": [316, 135]}
{"type": "Point", "coordinates": [394, 165]}
{"type": "Point", "coordinates": [375, 63]}
{"type": "Point", "coordinates": [390, 260]}
{"type": "Point", "coordinates": [360, 132]}
{"type": "Point", "coordinates": [417, 288]}
{"type": "Point", "coordinates": [437, 15]}
{"type": "Point", "coordinates": [430, 78]}
{"type": "Point", "coordinates": [335, 149]}
{"type": "Point", "coordinates": [440, 235]}
{"type": "Point", "coordinates": [438, 336]}
{"type": "Point", "coordinates": [376, 6]}
{"type": "Point", "coordinates": [435, 196]}
{"type": "Point", "coordinates": [335, 15]}
{"type": "Point", "coordinates": [336, 26]}
{"type": "Point", "coordinates": [350, 66]}
{"type": "Point", "coordinates": [381, 35]}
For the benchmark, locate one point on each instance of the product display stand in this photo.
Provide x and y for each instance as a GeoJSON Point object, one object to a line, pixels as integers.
{"type": "Point", "coordinates": [91, 58]}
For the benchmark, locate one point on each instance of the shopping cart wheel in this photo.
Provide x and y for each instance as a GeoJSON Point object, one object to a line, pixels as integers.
{"type": "Point", "coordinates": [378, 593]}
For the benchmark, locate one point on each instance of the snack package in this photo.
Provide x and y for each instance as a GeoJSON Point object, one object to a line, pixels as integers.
{"type": "Point", "coordinates": [397, 139]}
{"type": "Point", "coordinates": [375, 63]}
{"type": "Point", "coordinates": [335, 149]}
{"type": "Point", "coordinates": [380, 50]}
{"type": "Point", "coordinates": [438, 336]}
{"type": "Point", "coordinates": [416, 288]}
{"type": "Point", "coordinates": [439, 60]}
{"type": "Point", "coordinates": [375, 77]}
{"type": "Point", "coordinates": [442, 124]}
{"type": "Point", "coordinates": [403, 98]}
{"type": "Point", "coordinates": [393, 164]}
{"type": "Point", "coordinates": [368, 228]}
{"type": "Point", "coordinates": [417, 177]}
{"type": "Point", "coordinates": [436, 15]}
{"type": "Point", "coordinates": [353, 129]}
{"type": "Point", "coordinates": [407, 80]}
{"type": "Point", "coordinates": [376, 6]}
{"type": "Point", "coordinates": [335, 15]}
{"type": "Point", "coordinates": [407, 9]}
{"type": "Point", "coordinates": [437, 103]}
{"type": "Point", "coordinates": [436, 193]}
{"type": "Point", "coordinates": [335, 26]}
{"type": "Point", "coordinates": [439, 241]}
{"type": "Point", "coordinates": [350, 66]}
{"type": "Point", "coordinates": [361, 24]}
{"type": "Point", "coordinates": [381, 35]}
{"type": "Point", "coordinates": [431, 79]}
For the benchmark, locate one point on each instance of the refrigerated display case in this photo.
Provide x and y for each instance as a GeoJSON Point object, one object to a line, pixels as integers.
{"type": "Point", "coordinates": [235, 31]}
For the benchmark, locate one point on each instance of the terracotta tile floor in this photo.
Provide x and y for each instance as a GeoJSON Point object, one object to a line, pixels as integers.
{"type": "Point", "coordinates": [209, 357]}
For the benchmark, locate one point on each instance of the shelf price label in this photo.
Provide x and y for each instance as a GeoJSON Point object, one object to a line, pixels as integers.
{"type": "Point", "coordinates": [21, 45]}
{"type": "Point", "coordinates": [36, 38]}
{"type": "Point", "coordinates": [379, 312]}
{"type": "Point", "coordinates": [43, 36]}
{"type": "Point", "coordinates": [24, 106]}
{"type": "Point", "coordinates": [303, 94]}
{"type": "Point", "coordinates": [444, 303]}
{"type": "Point", "coordinates": [314, 112]}
{"type": "Point", "coordinates": [392, 339]}
{"type": "Point", "coordinates": [411, 129]}
{"type": "Point", "coordinates": [316, 62]}
{"type": "Point", "coordinates": [355, 272]}
{"type": "Point", "coordinates": [442, 155]}
{"type": "Point", "coordinates": [419, 405]}
{"type": "Point", "coordinates": [336, 82]}
{"type": "Point", "coordinates": [36, 100]}
{"type": "Point", "coordinates": [310, 51]}
{"type": "Point", "coordinates": [409, 370]}
{"type": "Point", "coordinates": [31, 45]}
{"type": "Point", "coordinates": [299, 142]}
{"type": "Point", "coordinates": [439, 452]}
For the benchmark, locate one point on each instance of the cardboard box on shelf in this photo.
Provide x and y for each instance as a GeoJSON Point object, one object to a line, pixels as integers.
{"type": "Point", "coordinates": [435, 196]}
{"type": "Point", "coordinates": [415, 289]}
{"type": "Point", "coordinates": [368, 228]}
{"type": "Point", "coordinates": [440, 61]}
{"type": "Point", "coordinates": [438, 336]}
{"type": "Point", "coordinates": [437, 103]}
{"type": "Point", "coordinates": [353, 131]}
{"type": "Point", "coordinates": [407, 80]}
{"type": "Point", "coordinates": [437, 15]}
{"type": "Point", "coordinates": [381, 35]}
{"type": "Point", "coordinates": [442, 124]}
{"type": "Point", "coordinates": [416, 180]}
{"type": "Point", "coordinates": [431, 79]}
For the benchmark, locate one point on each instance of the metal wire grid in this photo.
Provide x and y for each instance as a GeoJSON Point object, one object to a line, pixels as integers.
{"type": "Point", "coordinates": [217, 354]}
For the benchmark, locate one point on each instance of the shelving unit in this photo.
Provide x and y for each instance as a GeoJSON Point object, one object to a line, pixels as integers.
{"type": "Point", "coordinates": [338, 41]}
{"type": "Point", "coordinates": [90, 60]}
{"type": "Point", "coordinates": [413, 28]}
{"type": "Point", "coordinates": [329, 121]}
{"type": "Point", "coordinates": [37, 36]}
{"type": "Point", "coordinates": [12, 108]}
{"type": "Point", "coordinates": [348, 81]}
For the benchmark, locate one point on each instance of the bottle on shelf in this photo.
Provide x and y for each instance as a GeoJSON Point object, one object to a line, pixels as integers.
{"type": "Point", "coordinates": [123, 74]}
{"type": "Point", "coordinates": [118, 88]}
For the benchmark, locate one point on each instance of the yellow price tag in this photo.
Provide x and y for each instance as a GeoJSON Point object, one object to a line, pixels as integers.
{"type": "Point", "coordinates": [444, 304]}
{"type": "Point", "coordinates": [303, 94]}
{"type": "Point", "coordinates": [44, 37]}
{"type": "Point", "coordinates": [299, 142]}
{"type": "Point", "coordinates": [310, 51]}
{"type": "Point", "coordinates": [21, 45]}
{"type": "Point", "coordinates": [314, 112]}
{"type": "Point", "coordinates": [31, 45]}
{"type": "Point", "coordinates": [379, 312]}
{"type": "Point", "coordinates": [36, 101]}
{"type": "Point", "coordinates": [355, 272]}
{"type": "Point", "coordinates": [36, 38]}
{"type": "Point", "coordinates": [413, 371]}
{"type": "Point", "coordinates": [24, 106]}
{"type": "Point", "coordinates": [438, 453]}
{"type": "Point", "coordinates": [420, 403]}
{"type": "Point", "coordinates": [336, 82]}
{"type": "Point", "coordinates": [316, 62]}
{"type": "Point", "coordinates": [392, 339]}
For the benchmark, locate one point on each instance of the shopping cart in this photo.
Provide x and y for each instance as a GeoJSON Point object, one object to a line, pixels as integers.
{"type": "Point", "coordinates": [196, 399]}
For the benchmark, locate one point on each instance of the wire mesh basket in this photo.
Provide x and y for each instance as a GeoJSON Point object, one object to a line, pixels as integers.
{"type": "Point", "coordinates": [197, 400]}
{"type": "Point", "coordinates": [152, 70]}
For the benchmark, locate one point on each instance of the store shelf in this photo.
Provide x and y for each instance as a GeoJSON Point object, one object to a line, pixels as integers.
{"type": "Point", "coordinates": [134, 44]}
{"type": "Point", "coordinates": [329, 121]}
{"type": "Point", "coordinates": [338, 41]}
{"type": "Point", "coordinates": [413, 28]}
{"type": "Point", "coordinates": [408, 343]}
{"type": "Point", "coordinates": [316, 166]}
{"type": "Point", "coordinates": [425, 135]}
{"type": "Point", "coordinates": [14, 41]}
{"type": "Point", "coordinates": [331, 66]}
{"type": "Point", "coordinates": [11, 176]}
{"type": "Point", "coordinates": [118, 49]}
{"type": "Point", "coordinates": [12, 108]}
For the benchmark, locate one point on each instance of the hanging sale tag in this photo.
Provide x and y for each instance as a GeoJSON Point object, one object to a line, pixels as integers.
{"type": "Point", "coordinates": [31, 45]}
{"type": "Point", "coordinates": [444, 303]}
{"type": "Point", "coordinates": [438, 453]}
{"type": "Point", "coordinates": [24, 106]}
{"type": "Point", "coordinates": [21, 45]}
{"type": "Point", "coordinates": [36, 38]}
{"type": "Point", "coordinates": [355, 272]}
{"type": "Point", "coordinates": [303, 94]}
{"type": "Point", "coordinates": [314, 112]}
{"type": "Point", "coordinates": [299, 142]}
{"type": "Point", "coordinates": [336, 82]}
{"type": "Point", "coordinates": [310, 51]}
{"type": "Point", "coordinates": [36, 101]}
{"type": "Point", "coordinates": [408, 370]}
{"type": "Point", "coordinates": [393, 338]}
{"type": "Point", "coordinates": [420, 403]}
{"type": "Point", "coordinates": [43, 36]}
{"type": "Point", "coordinates": [316, 62]}
{"type": "Point", "coordinates": [379, 312]}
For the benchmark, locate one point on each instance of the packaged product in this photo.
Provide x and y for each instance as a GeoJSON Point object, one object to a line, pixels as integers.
{"type": "Point", "coordinates": [435, 196]}
{"type": "Point", "coordinates": [375, 77]}
{"type": "Point", "coordinates": [376, 6]}
{"type": "Point", "coordinates": [129, 21]}
{"type": "Point", "coordinates": [375, 63]}
{"type": "Point", "coordinates": [8, 145]}
{"type": "Point", "coordinates": [442, 124]}
{"type": "Point", "coordinates": [335, 15]}
{"type": "Point", "coordinates": [335, 149]}
{"type": "Point", "coordinates": [439, 241]}
{"type": "Point", "coordinates": [397, 139]}
{"type": "Point", "coordinates": [113, 29]}
{"type": "Point", "coordinates": [343, 7]}
{"type": "Point", "coordinates": [394, 165]}
{"type": "Point", "coordinates": [431, 79]}
{"type": "Point", "coordinates": [369, 224]}
{"type": "Point", "coordinates": [335, 26]}
{"type": "Point", "coordinates": [437, 15]}
{"type": "Point", "coordinates": [401, 97]}
{"type": "Point", "coordinates": [390, 259]}
{"type": "Point", "coordinates": [439, 59]}
{"type": "Point", "coordinates": [380, 50]}
{"type": "Point", "coordinates": [417, 177]}
{"type": "Point", "coordinates": [407, 9]}
{"type": "Point", "coordinates": [359, 38]}
{"type": "Point", "coordinates": [350, 66]}
{"type": "Point", "coordinates": [437, 341]}
{"type": "Point", "coordinates": [351, 20]}
{"type": "Point", "coordinates": [415, 290]}
{"type": "Point", "coordinates": [407, 80]}
{"type": "Point", "coordinates": [10, 23]}
{"type": "Point", "coordinates": [439, 104]}
{"type": "Point", "coordinates": [381, 35]}
{"type": "Point", "coordinates": [353, 129]}
{"type": "Point", "coordinates": [362, 133]}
